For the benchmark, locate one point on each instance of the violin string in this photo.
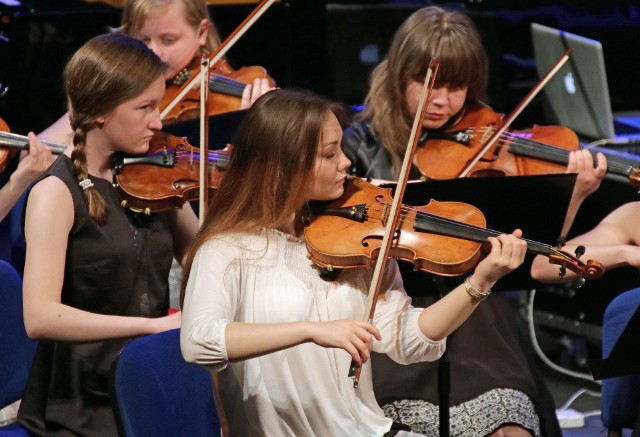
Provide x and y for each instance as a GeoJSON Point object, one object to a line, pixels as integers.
{"type": "Point", "coordinates": [423, 217]}
{"type": "Point", "coordinates": [555, 153]}
{"type": "Point", "coordinates": [219, 157]}
{"type": "Point", "coordinates": [532, 246]}
{"type": "Point", "coordinates": [225, 80]}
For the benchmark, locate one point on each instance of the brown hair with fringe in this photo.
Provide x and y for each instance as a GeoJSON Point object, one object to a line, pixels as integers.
{"type": "Point", "coordinates": [429, 33]}
{"type": "Point", "coordinates": [135, 12]}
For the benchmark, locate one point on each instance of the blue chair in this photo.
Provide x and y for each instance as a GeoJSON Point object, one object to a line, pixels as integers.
{"type": "Point", "coordinates": [156, 393]}
{"type": "Point", "coordinates": [12, 244]}
{"type": "Point", "coordinates": [16, 349]}
{"type": "Point", "coordinates": [621, 395]}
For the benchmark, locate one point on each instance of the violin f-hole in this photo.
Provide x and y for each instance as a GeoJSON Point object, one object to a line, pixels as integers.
{"type": "Point", "coordinates": [395, 237]}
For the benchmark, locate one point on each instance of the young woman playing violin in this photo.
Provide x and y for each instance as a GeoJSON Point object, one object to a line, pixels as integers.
{"type": "Point", "coordinates": [489, 364]}
{"type": "Point", "coordinates": [256, 309]}
{"type": "Point", "coordinates": [96, 274]}
{"type": "Point", "coordinates": [179, 31]}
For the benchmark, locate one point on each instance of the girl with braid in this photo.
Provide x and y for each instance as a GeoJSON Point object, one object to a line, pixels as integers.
{"type": "Point", "coordinates": [96, 274]}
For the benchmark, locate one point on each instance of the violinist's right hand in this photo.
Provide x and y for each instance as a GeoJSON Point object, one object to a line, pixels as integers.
{"type": "Point", "coordinates": [251, 92]}
{"type": "Point", "coordinates": [355, 337]}
{"type": "Point", "coordinates": [507, 253]}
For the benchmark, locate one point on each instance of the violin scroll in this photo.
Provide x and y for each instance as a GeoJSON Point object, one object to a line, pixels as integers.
{"type": "Point", "coordinates": [585, 270]}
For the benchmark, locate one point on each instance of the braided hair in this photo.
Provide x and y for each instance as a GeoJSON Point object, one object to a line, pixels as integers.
{"type": "Point", "coordinates": [105, 72]}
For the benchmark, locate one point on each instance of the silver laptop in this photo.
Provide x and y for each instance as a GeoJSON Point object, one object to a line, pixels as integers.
{"type": "Point", "coordinates": [578, 93]}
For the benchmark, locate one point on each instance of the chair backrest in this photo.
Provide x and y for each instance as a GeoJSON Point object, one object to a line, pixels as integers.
{"type": "Point", "coordinates": [156, 393]}
{"type": "Point", "coordinates": [621, 395]}
{"type": "Point", "coordinates": [16, 349]}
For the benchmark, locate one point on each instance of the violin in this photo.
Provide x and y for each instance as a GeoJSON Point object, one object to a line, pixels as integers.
{"type": "Point", "coordinates": [217, 68]}
{"type": "Point", "coordinates": [225, 84]}
{"type": "Point", "coordinates": [443, 155]}
{"type": "Point", "coordinates": [536, 151]}
{"type": "Point", "coordinates": [444, 238]}
{"type": "Point", "coordinates": [10, 142]}
{"type": "Point", "coordinates": [167, 176]}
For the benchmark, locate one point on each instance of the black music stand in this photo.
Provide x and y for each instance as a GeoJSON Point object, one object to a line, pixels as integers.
{"type": "Point", "coordinates": [535, 204]}
{"type": "Point", "coordinates": [222, 129]}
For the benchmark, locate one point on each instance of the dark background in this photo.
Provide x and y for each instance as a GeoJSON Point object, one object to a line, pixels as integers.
{"type": "Point", "coordinates": [327, 46]}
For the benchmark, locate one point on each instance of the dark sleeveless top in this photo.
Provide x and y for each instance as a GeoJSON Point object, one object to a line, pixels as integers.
{"type": "Point", "coordinates": [489, 351]}
{"type": "Point", "coordinates": [119, 268]}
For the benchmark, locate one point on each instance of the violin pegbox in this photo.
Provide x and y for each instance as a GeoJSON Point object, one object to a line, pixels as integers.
{"type": "Point", "coordinates": [590, 270]}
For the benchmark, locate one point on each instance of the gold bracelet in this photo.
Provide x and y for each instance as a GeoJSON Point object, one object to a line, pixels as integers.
{"type": "Point", "coordinates": [476, 294]}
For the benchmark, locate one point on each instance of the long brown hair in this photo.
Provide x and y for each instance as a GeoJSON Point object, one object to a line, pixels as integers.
{"type": "Point", "coordinates": [273, 157]}
{"type": "Point", "coordinates": [106, 71]}
{"type": "Point", "coordinates": [429, 33]}
{"type": "Point", "coordinates": [135, 12]}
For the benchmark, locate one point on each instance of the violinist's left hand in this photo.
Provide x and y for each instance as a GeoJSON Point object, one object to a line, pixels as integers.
{"type": "Point", "coordinates": [447, 314]}
{"type": "Point", "coordinates": [251, 92]}
{"type": "Point", "coordinates": [589, 177]}
{"type": "Point", "coordinates": [507, 253]}
{"type": "Point", "coordinates": [32, 164]}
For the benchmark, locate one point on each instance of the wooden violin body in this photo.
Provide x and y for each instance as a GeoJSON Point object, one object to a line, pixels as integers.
{"type": "Point", "coordinates": [167, 176]}
{"type": "Point", "coordinates": [444, 238]}
{"type": "Point", "coordinates": [539, 150]}
{"type": "Point", "coordinates": [536, 151]}
{"type": "Point", "coordinates": [358, 218]}
{"type": "Point", "coordinates": [225, 84]}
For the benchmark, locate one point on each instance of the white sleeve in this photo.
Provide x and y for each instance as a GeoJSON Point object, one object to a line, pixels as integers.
{"type": "Point", "coordinates": [397, 321]}
{"type": "Point", "coordinates": [209, 305]}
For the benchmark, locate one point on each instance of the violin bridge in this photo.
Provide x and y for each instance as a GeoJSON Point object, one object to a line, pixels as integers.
{"type": "Point", "coordinates": [463, 137]}
{"type": "Point", "coordinates": [385, 214]}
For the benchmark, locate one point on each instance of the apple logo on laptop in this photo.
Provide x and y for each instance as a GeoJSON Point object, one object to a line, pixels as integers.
{"type": "Point", "coordinates": [569, 83]}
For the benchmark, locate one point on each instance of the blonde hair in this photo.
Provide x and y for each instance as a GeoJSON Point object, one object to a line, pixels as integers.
{"type": "Point", "coordinates": [273, 156]}
{"type": "Point", "coordinates": [429, 33]}
{"type": "Point", "coordinates": [106, 71]}
{"type": "Point", "coordinates": [135, 12]}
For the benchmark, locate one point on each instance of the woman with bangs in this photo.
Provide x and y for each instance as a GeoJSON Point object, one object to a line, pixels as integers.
{"type": "Point", "coordinates": [495, 386]}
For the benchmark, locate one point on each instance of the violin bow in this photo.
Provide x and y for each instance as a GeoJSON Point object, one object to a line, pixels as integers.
{"type": "Point", "coordinates": [222, 50]}
{"type": "Point", "coordinates": [518, 109]}
{"type": "Point", "coordinates": [204, 141]}
{"type": "Point", "coordinates": [394, 213]}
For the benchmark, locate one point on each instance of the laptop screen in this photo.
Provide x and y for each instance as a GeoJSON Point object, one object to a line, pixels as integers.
{"type": "Point", "coordinates": [578, 93]}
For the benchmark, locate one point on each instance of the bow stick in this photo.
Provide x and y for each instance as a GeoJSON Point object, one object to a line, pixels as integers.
{"type": "Point", "coordinates": [394, 214]}
{"type": "Point", "coordinates": [204, 141]}
{"type": "Point", "coordinates": [518, 109]}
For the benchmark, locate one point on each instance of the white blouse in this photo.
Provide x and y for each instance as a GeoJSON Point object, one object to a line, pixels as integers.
{"type": "Point", "coordinates": [303, 390]}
